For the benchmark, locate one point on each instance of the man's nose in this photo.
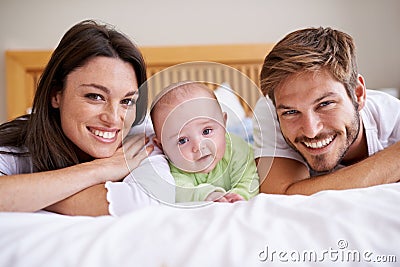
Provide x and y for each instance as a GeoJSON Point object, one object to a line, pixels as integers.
{"type": "Point", "coordinates": [311, 124]}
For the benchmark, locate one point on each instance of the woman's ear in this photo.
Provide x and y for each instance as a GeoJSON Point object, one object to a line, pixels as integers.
{"type": "Point", "coordinates": [360, 92]}
{"type": "Point", "coordinates": [56, 99]}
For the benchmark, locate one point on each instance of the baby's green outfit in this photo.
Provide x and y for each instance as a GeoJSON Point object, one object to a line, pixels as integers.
{"type": "Point", "coordinates": [236, 172]}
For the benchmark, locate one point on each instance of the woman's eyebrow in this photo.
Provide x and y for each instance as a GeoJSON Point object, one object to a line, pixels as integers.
{"type": "Point", "coordinates": [106, 90]}
{"type": "Point", "coordinates": [132, 93]}
{"type": "Point", "coordinates": [97, 86]}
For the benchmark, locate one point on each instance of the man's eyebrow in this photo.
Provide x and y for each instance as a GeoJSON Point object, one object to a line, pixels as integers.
{"type": "Point", "coordinates": [281, 106]}
{"type": "Point", "coordinates": [324, 96]}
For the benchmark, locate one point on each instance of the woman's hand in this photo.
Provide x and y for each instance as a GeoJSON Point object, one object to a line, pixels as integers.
{"type": "Point", "coordinates": [125, 159]}
{"type": "Point", "coordinates": [92, 200]}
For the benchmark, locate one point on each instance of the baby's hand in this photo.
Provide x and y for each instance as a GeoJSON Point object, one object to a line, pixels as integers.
{"type": "Point", "coordinates": [233, 197]}
{"type": "Point", "coordinates": [216, 196]}
{"type": "Point", "coordinates": [224, 197]}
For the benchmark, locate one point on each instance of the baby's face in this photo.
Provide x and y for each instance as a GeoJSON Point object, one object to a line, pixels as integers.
{"type": "Point", "coordinates": [193, 134]}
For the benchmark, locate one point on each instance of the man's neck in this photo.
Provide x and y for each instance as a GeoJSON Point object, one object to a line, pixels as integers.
{"type": "Point", "coordinates": [358, 150]}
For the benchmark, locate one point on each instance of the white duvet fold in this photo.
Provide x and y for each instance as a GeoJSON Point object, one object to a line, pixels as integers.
{"type": "Point", "coordinates": [358, 227]}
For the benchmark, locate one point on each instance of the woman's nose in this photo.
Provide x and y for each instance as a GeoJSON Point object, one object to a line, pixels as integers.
{"type": "Point", "coordinates": [111, 114]}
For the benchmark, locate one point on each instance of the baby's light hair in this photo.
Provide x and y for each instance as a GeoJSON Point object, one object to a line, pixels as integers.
{"type": "Point", "coordinates": [175, 92]}
{"type": "Point", "coordinates": [171, 94]}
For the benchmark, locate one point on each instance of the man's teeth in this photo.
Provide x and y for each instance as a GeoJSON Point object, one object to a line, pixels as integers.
{"type": "Point", "coordinates": [106, 135]}
{"type": "Point", "coordinates": [319, 144]}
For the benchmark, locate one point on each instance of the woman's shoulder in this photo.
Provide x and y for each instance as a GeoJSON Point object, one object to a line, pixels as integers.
{"type": "Point", "coordinates": [14, 160]}
{"type": "Point", "coordinates": [17, 151]}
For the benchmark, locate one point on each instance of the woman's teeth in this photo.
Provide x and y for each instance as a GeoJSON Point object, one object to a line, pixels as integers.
{"type": "Point", "coordinates": [106, 135]}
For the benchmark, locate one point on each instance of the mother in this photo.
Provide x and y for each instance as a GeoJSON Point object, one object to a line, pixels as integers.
{"type": "Point", "coordinates": [63, 156]}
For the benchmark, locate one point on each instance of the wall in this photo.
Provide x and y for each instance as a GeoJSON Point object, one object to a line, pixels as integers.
{"type": "Point", "coordinates": [374, 24]}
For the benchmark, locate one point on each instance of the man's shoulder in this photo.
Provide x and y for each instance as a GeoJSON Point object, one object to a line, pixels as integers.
{"type": "Point", "coordinates": [381, 119]}
{"type": "Point", "coordinates": [381, 99]}
{"type": "Point", "coordinates": [379, 105]}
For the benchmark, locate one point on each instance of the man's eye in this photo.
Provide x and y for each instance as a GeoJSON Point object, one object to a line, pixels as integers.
{"type": "Point", "coordinates": [183, 140]}
{"type": "Point", "coordinates": [289, 112]}
{"type": "Point", "coordinates": [94, 96]}
{"type": "Point", "coordinates": [325, 103]}
{"type": "Point", "coordinates": [207, 131]}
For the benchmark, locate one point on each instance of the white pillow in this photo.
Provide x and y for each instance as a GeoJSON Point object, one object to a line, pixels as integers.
{"type": "Point", "coordinates": [230, 104]}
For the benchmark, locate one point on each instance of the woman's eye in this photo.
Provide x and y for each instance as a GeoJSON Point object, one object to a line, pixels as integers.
{"type": "Point", "coordinates": [129, 102]}
{"type": "Point", "coordinates": [94, 96]}
{"type": "Point", "coordinates": [183, 140]}
{"type": "Point", "coordinates": [207, 131]}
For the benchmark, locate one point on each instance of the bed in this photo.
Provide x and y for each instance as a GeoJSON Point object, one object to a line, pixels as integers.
{"type": "Point", "coordinates": [358, 227]}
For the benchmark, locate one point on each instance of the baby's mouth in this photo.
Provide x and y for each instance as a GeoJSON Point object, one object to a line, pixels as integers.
{"type": "Point", "coordinates": [205, 157]}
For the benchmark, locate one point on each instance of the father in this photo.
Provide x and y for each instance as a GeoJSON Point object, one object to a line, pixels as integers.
{"type": "Point", "coordinates": [320, 127]}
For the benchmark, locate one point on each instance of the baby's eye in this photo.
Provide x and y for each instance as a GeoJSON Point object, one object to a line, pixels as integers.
{"type": "Point", "coordinates": [207, 131]}
{"type": "Point", "coordinates": [93, 96]}
{"type": "Point", "coordinates": [183, 140]}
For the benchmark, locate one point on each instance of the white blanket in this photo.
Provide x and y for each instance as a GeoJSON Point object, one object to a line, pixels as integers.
{"type": "Point", "coordinates": [359, 227]}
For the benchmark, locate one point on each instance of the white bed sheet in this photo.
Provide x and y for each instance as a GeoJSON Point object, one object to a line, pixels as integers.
{"type": "Point", "coordinates": [363, 222]}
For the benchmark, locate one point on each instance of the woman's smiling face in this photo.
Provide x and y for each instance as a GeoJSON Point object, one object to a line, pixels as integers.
{"type": "Point", "coordinates": [98, 105]}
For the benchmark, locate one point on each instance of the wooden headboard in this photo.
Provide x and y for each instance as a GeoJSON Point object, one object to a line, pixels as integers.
{"type": "Point", "coordinates": [23, 69]}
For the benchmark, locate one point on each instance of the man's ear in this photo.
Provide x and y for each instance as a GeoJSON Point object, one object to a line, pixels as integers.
{"type": "Point", "coordinates": [56, 99]}
{"type": "Point", "coordinates": [360, 92]}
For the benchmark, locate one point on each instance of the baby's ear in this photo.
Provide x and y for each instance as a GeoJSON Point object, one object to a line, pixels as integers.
{"type": "Point", "coordinates": [157, 142]}
{"type": "Point", "coordinates": [225, 116]}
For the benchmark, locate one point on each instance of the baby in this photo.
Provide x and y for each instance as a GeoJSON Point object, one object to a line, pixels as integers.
{"type": "Point", "coordinates": [208, 164]}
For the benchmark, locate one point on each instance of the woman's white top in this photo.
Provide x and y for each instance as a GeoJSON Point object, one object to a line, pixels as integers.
{"type": "Point", "coordinates": [151, 183]}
